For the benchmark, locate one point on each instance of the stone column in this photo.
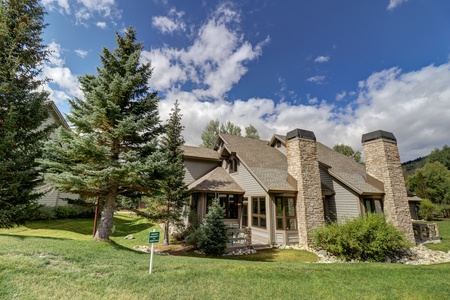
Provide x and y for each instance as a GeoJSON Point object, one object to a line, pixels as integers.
{"type": "Point", "coordinates": [383, 163]}
{"type": "Point", "coordinates": [301, 152]}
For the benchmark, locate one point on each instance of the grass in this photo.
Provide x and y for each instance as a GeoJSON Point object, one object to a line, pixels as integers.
{"type": "Point", "coordinates": [50, 260]}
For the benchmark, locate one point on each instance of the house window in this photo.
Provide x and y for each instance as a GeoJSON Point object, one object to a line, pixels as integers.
{"type": "Point", "coordinates": [372, 206]}
{"type": "Point", "coordinates": [228, 201]}
{"type": "Point", "coordinates": [285, 215]}
{"type": "Point", "coordinates": [233, 165]}
{"type": "Point", "coordinates": [244, 213]}
{"type": "Point", "coordinates": [259, 212]}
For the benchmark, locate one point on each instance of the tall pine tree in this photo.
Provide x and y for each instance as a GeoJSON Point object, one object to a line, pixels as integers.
{"type": "Point", "coordinates": [112, 150]}
{"type": "Point", "coordinates": [22, 107]}
{"type": "Point", "coordinates": [174, 192]}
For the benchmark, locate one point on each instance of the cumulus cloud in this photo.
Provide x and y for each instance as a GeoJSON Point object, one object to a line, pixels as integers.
{"type": "Point", "coordinates": [322, 59]}
{"type": "Point", "coordinates": [173, 22]}
{"type": "Point", "coordinates": [394, 3]}
{"type": "Point", "coordinates": [214, 62]}
{"type": "Point", "coordinates": [63, 82]}
{"type": "Point", "coordinates": [62, 6]}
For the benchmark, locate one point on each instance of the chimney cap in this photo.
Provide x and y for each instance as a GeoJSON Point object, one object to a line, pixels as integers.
{"type": "Point", "coordinates": [301, 133]}
{"type": "Point", "coordinates": [378, 134]}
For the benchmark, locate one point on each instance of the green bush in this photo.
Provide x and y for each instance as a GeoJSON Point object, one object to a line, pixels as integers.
{"type": "Point", "coordinates": [428, 210]}
{"type": "Point", "coordinates": [194, 237]}
{"type": "Point", "coordinates": [444, 210]}
{"type": "Point", "coordinates": [213, 240]}
{"type": "Point", "coordinates": [42, 212]}
{"type": "Point", "coordinates": [366, 239]}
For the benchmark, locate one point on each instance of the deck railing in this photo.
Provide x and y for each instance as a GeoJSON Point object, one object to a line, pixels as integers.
{"type": "Point", "coordinates": [239, 237]}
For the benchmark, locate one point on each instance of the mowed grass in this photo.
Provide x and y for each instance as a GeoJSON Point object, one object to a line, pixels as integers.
{"type": "Point", "coordinates": [50, 260]}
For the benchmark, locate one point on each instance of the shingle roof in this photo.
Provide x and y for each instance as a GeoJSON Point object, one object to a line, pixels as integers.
{"type": "Point", "coordinates": [201, 153]}
{"type": "Point", "coordinates": [268, 165]}
{"type": "Point", "coordinates": [345, 169]}
{"type": "Point", "coordinates": [219, 181]}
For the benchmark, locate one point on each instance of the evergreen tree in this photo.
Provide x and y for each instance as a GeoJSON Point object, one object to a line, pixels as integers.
{"type": "Point", "coordinates": [213, 240]}
{"type": "Point", "coordinates": [174, 193]}
{"type": "Point", "coordinates": [210, 134]}
{"type": "Point", "coordinates": [112, 151]}
{"type": "Point", "coordinates": [251, 132]}
{"type": "Point", "coordinates": [22, 107]}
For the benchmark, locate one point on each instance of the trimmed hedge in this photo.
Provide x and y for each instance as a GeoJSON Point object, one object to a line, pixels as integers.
{"type": "Point", "coordinates": [365, 239]}
{"type": "Point", "coordinates": [43, 212]}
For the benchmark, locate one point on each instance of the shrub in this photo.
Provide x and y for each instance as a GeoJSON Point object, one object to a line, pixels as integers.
{"type": "Point", "coordinates": [370, 238]}
{"type": "Point", "coordinates": [42, 212]}
{"type": "Point", "coordinates": [194, 237]}
{"type": "Point", "coordinates": [445, 210]}
{"type": "Point", "coordinates": [213, 240]}
{"type": "Point", "coordinates": [428, 210]}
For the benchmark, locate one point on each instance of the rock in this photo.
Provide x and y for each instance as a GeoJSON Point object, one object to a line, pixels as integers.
{"type": "Point", "coordinates": [322, 253]}
{"type": "Point", "coordinates": [129, 237]}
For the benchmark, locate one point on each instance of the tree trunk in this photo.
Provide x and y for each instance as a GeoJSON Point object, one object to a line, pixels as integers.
{"type": "Point", "coordinates": [166, 233]}
{"type": "Point", "coordinates": [107, 219]}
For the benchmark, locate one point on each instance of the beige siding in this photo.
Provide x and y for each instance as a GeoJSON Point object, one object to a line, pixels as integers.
{"type": "Point", "coordinates": [247, 182]}
{"type": "Point", "coordinates": [55, 198]}
{"type": "Point", "coordinates": [260, 236]}
{"type": "Point", "coordinates": [197, 168]}
{"type": "Point", "coordinates": [344, 204]}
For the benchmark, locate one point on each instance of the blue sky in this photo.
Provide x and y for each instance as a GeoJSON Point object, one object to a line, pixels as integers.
{"type": "Point", "coordinates": [338, 68]}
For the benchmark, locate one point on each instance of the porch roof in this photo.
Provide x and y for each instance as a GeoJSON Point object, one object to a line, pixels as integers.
{"type": "Point", "coordinates": [219, 181]}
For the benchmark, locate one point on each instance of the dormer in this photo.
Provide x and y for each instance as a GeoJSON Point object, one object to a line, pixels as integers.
{"type": "Point", "coordinates": [278, 142]}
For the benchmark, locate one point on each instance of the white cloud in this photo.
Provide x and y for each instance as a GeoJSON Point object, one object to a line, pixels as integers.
{"type": "Point", "coordinates": [316, 79]}
{"type": "Point", "coordinates": [341, 95]}
{"type": "Point", "coordinates": [62, 6]}
{"type": "Point", "coordinates": [81, 53]}
{"type": "Point", "coordinates": [213, 63]}
{"type": "Point", "coordinates": [84, 10]}
{"type": "Point", "coordinates": [322, 59]}
{"type": "Point", "coordinates": [63, 83]}
{"type": "Point", "coordinates": [170, 24]}
{"type": "Point", "coordinates": [394, 3]}
{"type": "Point", "coordinates": [102, 25]}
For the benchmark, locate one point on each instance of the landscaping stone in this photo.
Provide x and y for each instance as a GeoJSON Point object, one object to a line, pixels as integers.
{"type": "Point", "coordinates": [129, 237]}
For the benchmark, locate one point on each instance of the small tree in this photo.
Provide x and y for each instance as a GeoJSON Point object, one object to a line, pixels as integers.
{"type": "Point", "coordinates": [431, 182]}
{"type": "Point", "coordinates": [251, 132]}
{"type": "Point", "coordinates": [174, 193]}
{"type": "Point", "coordinates": [214, 237]}
{"type": "Point", "coordinates": [348, 151]}
{"type": "Point", "coordinates": [428, 210]}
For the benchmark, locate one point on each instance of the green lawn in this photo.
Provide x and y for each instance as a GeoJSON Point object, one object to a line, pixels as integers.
{"type": "Point", "coordinates": [58, 260]}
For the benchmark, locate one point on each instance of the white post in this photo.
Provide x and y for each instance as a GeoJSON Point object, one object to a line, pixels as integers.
{"type": "Point", "coordinates": [151, 257]}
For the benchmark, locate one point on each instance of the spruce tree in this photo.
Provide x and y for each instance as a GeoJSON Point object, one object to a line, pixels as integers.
{"type": "Point", "coordinates": [213, 240]}
{"type": "Point", "coordinates": [174, 192]}
{"type": "Point", "coordinates": [22, 107]}
{"type": "Point", "coordinates": [112, 150]}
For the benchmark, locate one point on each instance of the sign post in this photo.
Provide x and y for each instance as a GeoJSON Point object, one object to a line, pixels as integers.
{"type": "Point", "coordinates": [152, 239]}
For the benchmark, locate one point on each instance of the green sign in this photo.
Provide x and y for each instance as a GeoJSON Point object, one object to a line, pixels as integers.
{"type": "Point", "coordinates": [153, 237]}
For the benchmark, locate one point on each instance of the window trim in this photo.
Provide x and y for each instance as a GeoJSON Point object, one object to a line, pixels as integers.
{"type": "Point", "coordinates": [284, 217]}
{"type": "Point", "coordinates": [258, 215]}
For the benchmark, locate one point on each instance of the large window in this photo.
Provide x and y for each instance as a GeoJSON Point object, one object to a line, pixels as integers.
{"type": "Point", "coordinates": [259, 212]}
{"type": "Point", "coordinates": [286, 219]}
{"type": "Point", "coordinates": [228, 201]}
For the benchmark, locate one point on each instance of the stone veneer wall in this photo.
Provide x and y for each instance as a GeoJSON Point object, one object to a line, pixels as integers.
{"type": "Point", "coordinates": [301, 151]}
{"type": "Point", "coordinates": [383, 162]}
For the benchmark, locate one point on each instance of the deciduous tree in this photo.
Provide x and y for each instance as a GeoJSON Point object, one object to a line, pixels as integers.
{"type": "Point", "coordinates": [348, 151]}
{"type": "Point", "coordinates": [22, 107]}
{"type": "Point", "coordinates": [251, 132]}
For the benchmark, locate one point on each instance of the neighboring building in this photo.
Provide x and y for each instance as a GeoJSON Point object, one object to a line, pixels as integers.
{"type": "Point", "coordinates": [285, 187]}
{"type": "Point", "coordinates": [53, 197]}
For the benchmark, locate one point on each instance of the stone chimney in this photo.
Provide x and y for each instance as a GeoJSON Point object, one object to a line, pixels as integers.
{"type": "Point", "coordinates": [383, 163]}
{"type": "Point", "coordinates": [301, 152]}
